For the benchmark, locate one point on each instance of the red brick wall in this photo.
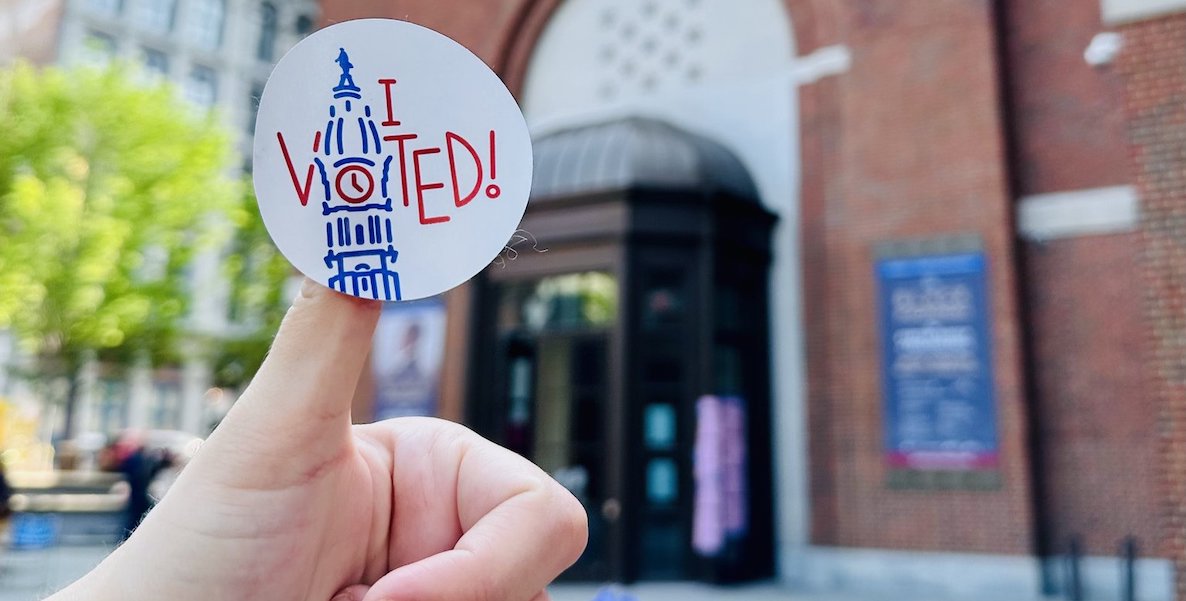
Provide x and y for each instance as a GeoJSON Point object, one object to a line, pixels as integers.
{"type": "Point", "coordinates": [815, 26]}
{"type": "Point", "coordinates": [1095, 419]}
{"type": "Point", "coordinates": [1153, 64]}
{"type": "Point", "coordinates": [918, 153]}
{"type": "Point", "coordinates": [485, 27]}
{"type": "Point", "coordinates": [906, 144]}
{"type": "Point", "coordinates": [1067, 117]}
{"type": "Point", "coordinates": [820, 114]}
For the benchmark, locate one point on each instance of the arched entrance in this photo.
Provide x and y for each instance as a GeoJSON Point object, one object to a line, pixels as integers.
{"type": "Point", "coordinates": [638, 305]}
{"type": "Point", "coordinates": [726, 71]}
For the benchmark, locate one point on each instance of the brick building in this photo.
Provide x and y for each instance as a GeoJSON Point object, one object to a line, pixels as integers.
{"type": "Point", "coordinates": [1009, 175]}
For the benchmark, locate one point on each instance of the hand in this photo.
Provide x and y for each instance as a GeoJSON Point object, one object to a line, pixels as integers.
{"type": "Point", "coordinates": [288, 501]}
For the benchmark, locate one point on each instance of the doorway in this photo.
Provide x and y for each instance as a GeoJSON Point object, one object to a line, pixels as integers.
{"type": "Point", "coordinates": [595, 348]}
{"type": "Point", "coordinates": [554, 336]}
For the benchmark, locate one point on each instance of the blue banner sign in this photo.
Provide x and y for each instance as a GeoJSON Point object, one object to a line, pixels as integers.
{"type": "Point", "coordinates": [939, 405]}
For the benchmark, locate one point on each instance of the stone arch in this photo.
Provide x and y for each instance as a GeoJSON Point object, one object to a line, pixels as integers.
{"type": "Point", "coordinates": [812, 121]}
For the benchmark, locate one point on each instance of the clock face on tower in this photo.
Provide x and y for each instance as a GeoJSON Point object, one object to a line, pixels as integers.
{"type": "Point", "coordinates": [354, 184]}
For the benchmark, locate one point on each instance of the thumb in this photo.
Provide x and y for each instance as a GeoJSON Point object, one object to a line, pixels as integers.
{"type": "Point", "coordinates": [301, 396]}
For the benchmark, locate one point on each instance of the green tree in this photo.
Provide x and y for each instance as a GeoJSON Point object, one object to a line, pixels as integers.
{"type": "Point", "coordinates": [108, 188]}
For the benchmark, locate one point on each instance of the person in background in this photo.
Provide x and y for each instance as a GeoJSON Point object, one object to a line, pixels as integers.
{"type": "Point", "coordinates": [287, 500]}
{"type": "Point", "coordinates": [135, 470]}
{"type": "Point", "coordinates": [136, 463]}
{"type": "Point", "coordinates": [5, 497]}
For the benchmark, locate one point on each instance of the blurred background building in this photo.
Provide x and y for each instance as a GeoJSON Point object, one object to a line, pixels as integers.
{"type": "Point", "coordinates": [219, 54]}
{"type": "Point", "coordinates": [30, 30]}
{"type": "Point", "coordinates": [935, 249]}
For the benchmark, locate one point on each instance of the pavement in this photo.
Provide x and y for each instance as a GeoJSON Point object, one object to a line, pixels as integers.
{"type": "Point", "coordinates": [688, 591]}
{"type": "Point", "coordinates": [33, 575]}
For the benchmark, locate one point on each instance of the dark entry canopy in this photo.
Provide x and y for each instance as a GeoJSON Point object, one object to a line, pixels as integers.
{"type": "Point", "coordinates": [635, 153]}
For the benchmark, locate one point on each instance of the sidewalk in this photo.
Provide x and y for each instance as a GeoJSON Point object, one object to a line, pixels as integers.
{"type": "Point", "coordinates": [33, 575]}
{"type": "Point", "coordinates": [684, 591]}
{"type": "Point", "coordinates": [681, 591]}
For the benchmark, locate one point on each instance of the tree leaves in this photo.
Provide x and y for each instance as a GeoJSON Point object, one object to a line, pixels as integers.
{"type": "Point", "coordinates": [108, 190]}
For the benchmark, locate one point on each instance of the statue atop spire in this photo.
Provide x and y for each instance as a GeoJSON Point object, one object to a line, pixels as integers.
{"type": "Point", "coordinates": [346, 86]}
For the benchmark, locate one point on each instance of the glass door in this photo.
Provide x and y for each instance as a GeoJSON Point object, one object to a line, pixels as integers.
{"type": "Point", "coordinates": [554, 408]}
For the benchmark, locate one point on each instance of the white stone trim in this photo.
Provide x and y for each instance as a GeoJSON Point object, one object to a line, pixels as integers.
{"type": "Point", "coordinates": [823, 62]}
{"type": "Point", "coordinates": [1103, 48]}
{"type": "Point", "coordinates": [959, 576]}
{"type": "Point", "coordinates": [1126, 11]}
{"type": "Point", "coordinates": [1078, 213]}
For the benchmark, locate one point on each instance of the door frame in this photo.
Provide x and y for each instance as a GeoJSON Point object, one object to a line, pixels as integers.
{"type": "Point", "coordinates": [489, 382]}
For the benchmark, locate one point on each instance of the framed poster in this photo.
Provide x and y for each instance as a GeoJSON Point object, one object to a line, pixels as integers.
{"type": "Point", "coordinates": [409, 348]}
{"type": "Point", "coordinates": [937, 374]}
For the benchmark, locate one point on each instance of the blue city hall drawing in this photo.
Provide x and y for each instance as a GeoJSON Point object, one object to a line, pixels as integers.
{"type": "Point", "coordinates": [354, 172]}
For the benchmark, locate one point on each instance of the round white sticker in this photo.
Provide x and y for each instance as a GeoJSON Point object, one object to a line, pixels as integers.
{"type": "Point", "coordinates": [390, 162]}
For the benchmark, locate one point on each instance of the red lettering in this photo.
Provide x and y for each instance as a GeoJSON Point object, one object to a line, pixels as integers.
{"type": "Point", "coordinates": [296, 184]}
{"type": "Point", "coordinates": [421, 186]}
{"type": "Point", "coordinates": [403, 163]}
{"type": "Point", "coordinates": [387, 83]}
{"type": "Point", "coordinates": [493, 162]}
{"type": "Point", "coordinates": [457, 199]}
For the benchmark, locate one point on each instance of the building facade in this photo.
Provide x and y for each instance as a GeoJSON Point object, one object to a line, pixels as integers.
{"type": "Point", "coordinates": [971, 286]}
{"type": "Point", "coordinates": [28, 30]}
{"type": "Point", "coordinates": [219, 54]}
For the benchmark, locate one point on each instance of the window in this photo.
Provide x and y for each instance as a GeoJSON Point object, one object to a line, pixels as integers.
{"type": "Point", "coordinates": [569, 301]}
{"type": "Point", "coordinates": [156, 64]}
{"type": "Point", "coordinates": [109, 8]}
{"type": "Point", "coordinates": [98, 48]}
{"type": "Point", "coordinates": [267, 32]}
{"type": "Point", "coordinates": [111, 415]}
{"type": "Point", "coordinates": [157, 15]}
{"type": "Point", "coordinates": [166, 405]}
{"type": "Point", "coordinates": [206, 23]}
{"type": "Point", "coordinates": [304, 25]}
{"type": "Point", "coordinates": [201, 88]}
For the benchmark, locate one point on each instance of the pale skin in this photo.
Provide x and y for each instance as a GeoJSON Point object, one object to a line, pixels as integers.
{"type": "Point", "coordinates": [288, 501]}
